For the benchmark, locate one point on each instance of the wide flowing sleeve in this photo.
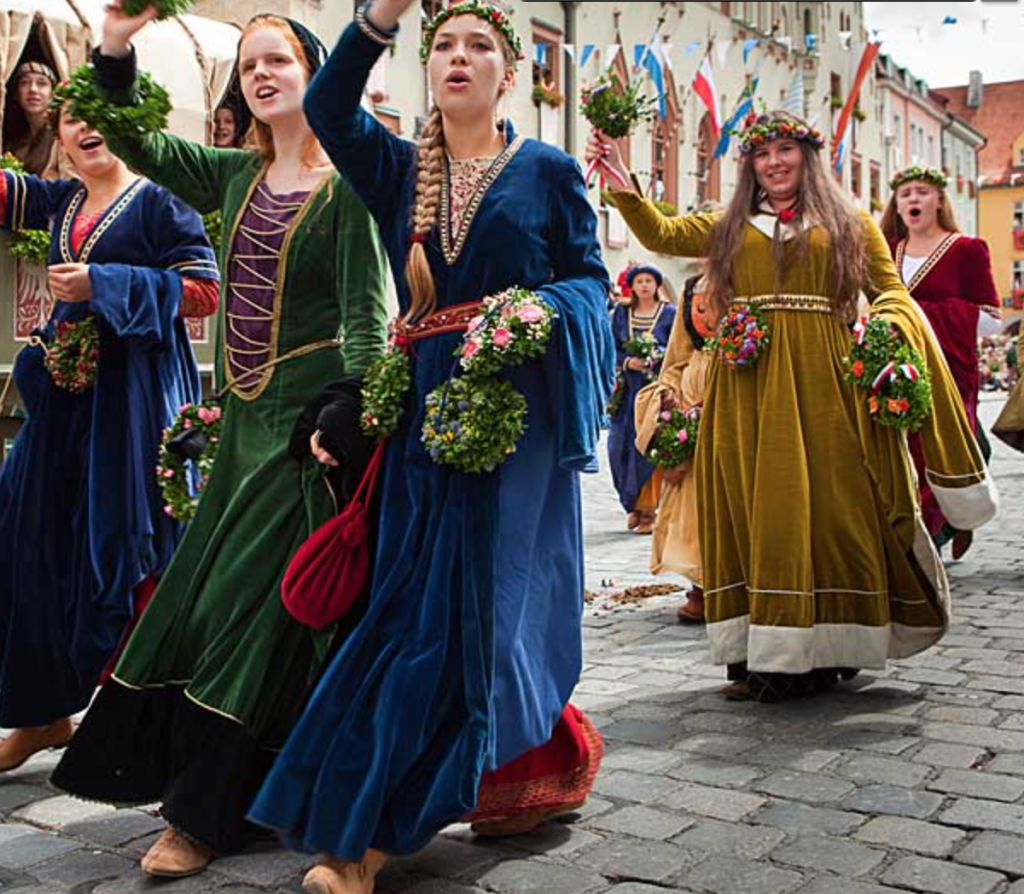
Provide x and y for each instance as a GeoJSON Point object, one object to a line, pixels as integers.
{"type": "Point", "coordinates": [371, 158]}
{"type": "Point", "coordinates": [30, 203]}
{"type": "Point", "coordinates": [685, 237]}
{"type": "Point", "coordinates": [198, 174]}
{"type": "Point", "coordinates": [579, 363]}
{"type": "Point", "coordinates": [954, 466]}
{"type": "Point", "coordinates": [976, 282]}
{"type": "Point", "coordinates": [362, 284]}
{"type": "Point", "coordinates": [184, 246]}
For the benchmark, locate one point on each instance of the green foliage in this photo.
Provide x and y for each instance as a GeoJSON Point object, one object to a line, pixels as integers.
{"type": "Point", "coordinates": [165, 8]}
{"type": "Point", "coordinates": [145, 115]}
{"type": "Point", "coordinates": [172, 471]}
{"type": "Point", "coordinates": [512, 328]}
{"type": "Point", "coordinates": [473, 424]}
{"type": "Point", "coordinates": [614, 111]}
{"type": "Point", "coordinates": [892, 372]}
{"type": "Point", "coordinates": [676, 438]}
{"type": "Point", "coordinates": [72, 358]}
{"type": "Point", "coordinates": [214, 226]}
{"type": "Point", "coordinates": [12, 163]}
{"type": "Point", "coordinates": [32, 246]}
{"type": "Point", "coordinates": [386, 383]}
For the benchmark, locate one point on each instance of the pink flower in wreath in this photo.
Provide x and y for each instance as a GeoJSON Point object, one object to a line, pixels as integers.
{"type": "Point", "coordinates": [530, 313]}
{"type": "Point", "coordinates": [168, 473]}
{"type": "Point", "coordinates": [683, 436]}
{"type": "Point", "coordinates": [168, 511]}
{"type": "Point", "coordinates": [666, 415]}
{"type": "Point", "coordinates": [209, 415]}
{"type": "Point", "coordinates": [185, 407]}
{"type": "Point", "coordinates": [475, 323]}
{"type": "Point", "coordinates": [501, 338]}
{"type": "Point", "coordinates": [471, 347]}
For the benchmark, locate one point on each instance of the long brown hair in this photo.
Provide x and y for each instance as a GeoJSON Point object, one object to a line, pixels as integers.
{"type": "Point", "coordinates": [895, 230]}
{"type": "Point", "coordinates": [260, 136]}
{"type": "Point", "coordinates": [427, 200]}
{"type": "Point", "coordinates": [819, 202]}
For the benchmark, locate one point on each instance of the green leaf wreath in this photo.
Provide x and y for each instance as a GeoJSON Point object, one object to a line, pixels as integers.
{"type": "Point", "coordinates": [165, 8]}
{"type": "Point", "coordinates": [173, 471]}
{"type": "Point", "coordinates": [676, 438]}
{"type": "Point", "coordinates": [386, 382]}
{"type": "Point", "coordinates": [617, 111]}
{"type": "Point", "coordinates": [473, 423]}
{"type": "Point", "coordinates": [72, 357]}
{"type": "Point", "coordinates": [86, 102]}
{"type": "Point", "coordinates": [892, 372]}
{"type": "Point", "coordinates": [31, 246]}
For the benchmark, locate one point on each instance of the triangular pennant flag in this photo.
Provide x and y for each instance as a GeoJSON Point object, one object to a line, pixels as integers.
{"type": "Point", "coordinates": [811, 42]}
{"type": "Point", "coordinates": [613, 51]}
{"type": "Point", "coordinates": [722, 53]}
{"type": "Point", "coordinates": [639, 52]}
{"type": "Point", "coordinates": [794, 100]}
{"type": "Point", "coordinates": [748, 45]}
{"type": "Point", "coordinates": [588, 51]}
{"type": "Point", "coordinates": [692, 47]}
{"type": "Point", "coordinates": [666, 55]}
{"type": "Point", "coordinates": [949, 20]}
{"type": "Point", "coordinates": [540, 52]}
{"type": "Point", "coordinates": [786, 41]}
{"type": "Point", "coordinates": [570, 50]}
{"type": "Point", "coordinates": [845, 37]}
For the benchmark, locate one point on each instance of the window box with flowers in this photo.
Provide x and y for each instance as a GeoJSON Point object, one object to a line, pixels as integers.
{"type": "Point", "coordinates": [544, 95]}
{"type": "Point", "coordinates": [860, 115]}
{"type": "Point", "coordinates": [836, 102]}
{"type": "Point", "coordinates": [1018, 238]}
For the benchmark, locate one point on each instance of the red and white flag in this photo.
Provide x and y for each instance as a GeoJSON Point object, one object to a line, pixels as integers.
{"type": "Point", "coordinates": [704, 87]}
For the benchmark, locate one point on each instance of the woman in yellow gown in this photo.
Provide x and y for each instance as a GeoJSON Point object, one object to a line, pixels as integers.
{"type": "Point", "coordinates": [814, 554]}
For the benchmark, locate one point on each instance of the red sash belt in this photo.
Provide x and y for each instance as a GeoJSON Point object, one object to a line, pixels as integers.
{"type": "Point", "coordinates": [454, 318]}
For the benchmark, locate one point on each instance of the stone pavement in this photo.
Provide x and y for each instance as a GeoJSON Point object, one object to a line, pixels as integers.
{"type": "Point", "coordinates": [912, 779]}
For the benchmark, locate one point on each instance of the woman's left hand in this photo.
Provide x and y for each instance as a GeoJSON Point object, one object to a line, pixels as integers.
{"type": "Point", "coordinates": [635, 363]}
{"type": "Point", "coordinates": [70, 282]}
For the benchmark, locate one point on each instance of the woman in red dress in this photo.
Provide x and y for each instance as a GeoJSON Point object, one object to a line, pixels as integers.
{"type": "Point", "coordinates": [950, 276]}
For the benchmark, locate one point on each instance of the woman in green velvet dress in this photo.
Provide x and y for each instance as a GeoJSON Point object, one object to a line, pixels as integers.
{"type": "Point", "coordinates": [217, 671]}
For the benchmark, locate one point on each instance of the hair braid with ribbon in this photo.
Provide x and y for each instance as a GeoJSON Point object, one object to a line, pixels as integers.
{"type": "Point", "coordinates": [424, 215]}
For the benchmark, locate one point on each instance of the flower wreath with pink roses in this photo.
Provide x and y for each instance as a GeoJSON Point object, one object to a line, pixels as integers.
{"type": "Point", "coordinates": [473, 422]}
{"type": "Point", "coordinates": [187, 452]}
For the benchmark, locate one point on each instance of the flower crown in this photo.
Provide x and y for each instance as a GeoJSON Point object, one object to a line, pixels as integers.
{"type": "Point", "coordinates": [929, 175]}
{"type": "Point", "coordinates": [756, 135]}
{"type": "Point", "coordinates": [490, 14]}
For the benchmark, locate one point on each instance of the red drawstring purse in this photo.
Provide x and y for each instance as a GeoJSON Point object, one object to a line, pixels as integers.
{"type": "Point", "coordinates": [328, 572]}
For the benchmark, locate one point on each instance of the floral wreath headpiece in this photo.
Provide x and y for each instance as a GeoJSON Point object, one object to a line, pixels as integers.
{"type": "Point", "coordinates": [756, 135]}
{"type": "Point", "coordinates": [490, 14]}
{"type": "Point", "coordinates": [929, 175]}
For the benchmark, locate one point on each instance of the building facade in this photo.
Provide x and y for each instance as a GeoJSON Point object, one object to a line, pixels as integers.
{"type": "Point", "coordinates": [997, 111]}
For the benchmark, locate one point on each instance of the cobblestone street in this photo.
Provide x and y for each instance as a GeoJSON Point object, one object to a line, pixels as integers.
{"type": "Point", "coordinates": [912, 779]}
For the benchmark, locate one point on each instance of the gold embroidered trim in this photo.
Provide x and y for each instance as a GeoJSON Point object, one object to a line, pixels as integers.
{"type": "Point", "coordinates": [937, 255]}
{"type": "Point", "coordinates": [813, 303]}
{"type": "Point", "coordinates": [106, 221]}
{"type": "Point", "coordinates": [644, 324]}
{"type": "Point", "coordinates": [451, 249]}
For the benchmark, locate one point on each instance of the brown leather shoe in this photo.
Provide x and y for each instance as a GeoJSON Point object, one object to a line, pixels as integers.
{"type": "Point", "coordinates": [337, 877]}
{"type": "Point", "coordinates": [692, 611]}
{"type": "Point", "coordinates": [21, 744]}
{"type": "Point", "coordinates": [175, 855]}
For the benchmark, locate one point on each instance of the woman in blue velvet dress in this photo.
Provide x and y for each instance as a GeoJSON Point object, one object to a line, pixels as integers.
{"type": "Point", "coordinates": [454, 688]}
{"type": "Point", "coordinates": [646, 316]}
{"type": "Point", "coordinates": [82, 527]}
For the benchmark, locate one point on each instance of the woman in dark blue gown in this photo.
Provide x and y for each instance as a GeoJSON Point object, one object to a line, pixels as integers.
{"type": "Point", "coordinates": [82, 526]}
{"type": "Point", "coordinates": [457, 680]}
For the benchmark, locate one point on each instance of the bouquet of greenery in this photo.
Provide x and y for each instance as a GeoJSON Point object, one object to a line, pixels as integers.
{"type": "Point", "coordinates": [892, 372]}
{"type": "Point", "coordinates": [32, 246]}
{"type": "Point", "coordinates": [645, 347]}
{"type": "Point", "coordinates": [147, 114]}
{"type": "Point", "coordinates": [165, 8]}
{"type": "Point", "coordinates": [617, 112]}
{"type": "Point", "coordinates": [386, 382]}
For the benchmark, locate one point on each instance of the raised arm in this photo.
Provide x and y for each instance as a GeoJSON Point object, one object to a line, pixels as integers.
{"type": "Point", "coordinates": [30, 203]}
{"type": "Point", "coordinates": [372, 159]}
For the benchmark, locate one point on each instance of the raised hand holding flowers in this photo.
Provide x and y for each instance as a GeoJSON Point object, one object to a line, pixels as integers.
{"type": "Point", "coordinates": [614, 112]}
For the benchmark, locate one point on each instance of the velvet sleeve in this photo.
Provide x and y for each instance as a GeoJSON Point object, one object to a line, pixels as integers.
{"type": "Point", "coordinates": [137, 302]}
{"type": "Point", "coordinates": [620, 332]}
{"type": "Point", "coordinates": [184, 245]}
{"type": "Point", "coordinates": [31, 203]}
{"type": "Point", "coordinates": [684, 237]}
{"type": "Point", "coordinates": [196, 173]}
{"type": "Point", "coordinates": [371, 158]}
{"type": "Point", "coordinates": [361, 284]}
{"type": "Point", "coordinates": [579, 363]}
{"type": "Point", "coordinates": [976, 282]}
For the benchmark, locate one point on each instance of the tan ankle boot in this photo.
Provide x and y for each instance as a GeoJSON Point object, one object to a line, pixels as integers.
{"type": "Point", "coordinates": [21, 744]}
{"type": "Point", "coordinates": [336, 877]}
{"type": "Point", "coordinates": [175, 855]}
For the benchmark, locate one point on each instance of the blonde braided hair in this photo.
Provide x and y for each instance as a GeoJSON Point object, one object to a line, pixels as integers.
{"type": "Point", "coordinates": [424, 215]}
